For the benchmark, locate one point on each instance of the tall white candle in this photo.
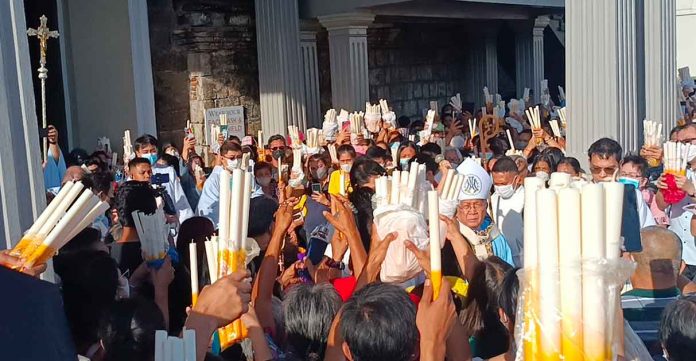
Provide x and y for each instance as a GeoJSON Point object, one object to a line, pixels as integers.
{"type": "Point", "coordinates": [342, 183]}
{"type": "Point", "coordinates": [224, 208]}
{"type": "Point", "coordinates": [190, 343]}
{"type": "Point", "coordinates": [396, 186]}
{"type": "Point", "coordinates": [76, 224]}
{"type": "Point", "coordinates": [456, 186]}
{"type": "Point", "coordinates": [236, 209]}
{"type": "Point", "coordinates": [193, 264]}
{"type": "Point", "coordinates": [160, 345]}
{"type": "Point", "coordinates": [61, 229]}
{"type": "Point", "coordinates": [97, 210]}
{"type": "Point", "coordinates": [211, 257]}
{"type": "Point", "coordinates": [569, 251]}
{"type": "Point", "coordinates": [51, 208]}
{"type": "Point", "coordinates": [593, 297]}
{"type": "Point", "coordinates": [176, 346]}
{"type": "Point", "coordinates": [549, 288]}
{"type": "Point", "coordinates": [447, 184]}
{"type": "Point", "coordinates": [434, 229]}
{"type": "Point", "coordinates": [613, 196]}
{"type": "Point", "coordinates": [246, 199]}
{"type": "Point", "coordinates": [403, 188]}
{"type": "Point", "coordinates": [531, 186]}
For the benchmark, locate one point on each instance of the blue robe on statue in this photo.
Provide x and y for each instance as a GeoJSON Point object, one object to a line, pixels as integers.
{"type": "Point", "coordinates": [54, 171]}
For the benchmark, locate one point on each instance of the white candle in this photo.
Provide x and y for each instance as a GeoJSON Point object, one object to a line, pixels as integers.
{"type": "Point", "coordinates": [76, 223]}
{"type": "Point", "coordinates": [160, 345]}
{"type": "Point", "coordinates": [193, 264]}
{"type": "Point", "coordinates": [531, 186]}
{"type": "Point", "coordinates": [61, 229]}
{"type": "Point", "coordinates": [190, 344]}
{"type": "Point", "coordinates": [396, 185]}
{"type": "Point", "coordinates": [434, 228]}
{"type": "Point", "coordinates": [224, 208]}
{"type": "Point", "coordinates": [403, 188]}
{"type": "Point", "coordinates": [246, 198]}
{"type": "Point", "coordinates": [211, 257]}
{"type": "Point", "coordinates": [456, 186]}
{"type": "Point", "coordinates": [570, 248]}
{"type": "Point", "coordinates": [613, 196]}
{"type": "Point", "coordinates": [447, 184]}
{"type": "Point", "coordinates": [59, 212]}
{"type": "Point", "coordinates": [342, 183]}
{"type": "Point", "coordinates": [260, 138]}
{"type": "Point", "coordinates": [593, 297]}
{"type": "Point", "coordinates": [176, 346]}
{"type": "Point", "coordinates": [549, 288]}
{"type": "Point", "coordinates": [236, 209]}
{"type": "Point", "coordinates": [50, 208]}
{"type": "Point", "coordinates": [97, 210]}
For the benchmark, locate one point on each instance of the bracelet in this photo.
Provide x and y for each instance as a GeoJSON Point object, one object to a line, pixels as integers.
{"type": "Point", "coordinates": [335, 264]}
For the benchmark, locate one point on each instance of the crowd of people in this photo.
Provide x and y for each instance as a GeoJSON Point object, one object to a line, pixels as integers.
{"type": "Point", "coordinates": [313, 290]}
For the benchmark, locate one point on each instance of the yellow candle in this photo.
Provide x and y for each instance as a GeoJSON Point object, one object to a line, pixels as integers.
{"type": "Point", "coordinates": [434, 228]}
{"type": "Point", "coordinates": [570, 248]}
{"type": "Point", "coordinates": [593, 248]}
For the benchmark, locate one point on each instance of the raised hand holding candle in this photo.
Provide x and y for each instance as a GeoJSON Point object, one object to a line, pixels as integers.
{"type": "Point", "coordinates": [193, 265]}
{"type": "Point", "coordinates": [434, 228]}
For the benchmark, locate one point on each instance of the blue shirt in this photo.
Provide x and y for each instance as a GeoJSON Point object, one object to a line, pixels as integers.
{"type": "Point", "coordinates": [54, 171]}
{"type": "Point", "coordinates": [209, 202]}
{"type": "Point", "coordinates": [500, 246]}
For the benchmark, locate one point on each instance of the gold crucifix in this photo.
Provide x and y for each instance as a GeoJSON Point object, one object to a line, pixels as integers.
{"type": "Point", "coordinates": [43, 34]}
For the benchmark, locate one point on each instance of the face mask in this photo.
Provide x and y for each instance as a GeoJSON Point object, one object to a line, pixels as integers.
{"type": "Point", "coordinates": [691, 153]}
{"type": "Point", "coordinates": [320, 173]}
{"type": "Point", "coordinates": [630, 181]}
{"type": "Point", "coordinates": [151, 157]}
{"type": "Point", "coordinates": [505, 191]}
{"type": "Point", "coordinates": [295, 182]}
{"type": "Point", "coordinates": [173, 153]}
{"type": "Point", "coordinates": [542, 175]}
{"type": "Point", "coordinates": [232, 163]}
{"type": "Point", "coordinates": [404, 163]}
{"type": "Point", "coordinates": [278, 154]}
{"type": "Point", "coordinates": [264, 181]}
{"type": "Point", "coordinates": [346, 167]}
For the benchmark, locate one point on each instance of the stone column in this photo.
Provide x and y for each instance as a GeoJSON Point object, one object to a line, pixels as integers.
{"type": "Point", "coordinates": [491, 49]}
{"type": "Point", "coordinates": [661, 100]}
{"type": "Point", "coordinates": [477, 69]}
{"type": "Point", "coordinates": [22, 195]}
{"type": "Point", "coordinates": [348, 56]}
{"type": "Point", "coordinates": [310, 72]}
{"type": "Point", "coordinates": [281, 84]}
{"type": "Point", "coordinates": [600, 74]}
{"type": "Point", "coordinates": [540, 24]}
{"type": "Point", "coordinates": [524, 74]}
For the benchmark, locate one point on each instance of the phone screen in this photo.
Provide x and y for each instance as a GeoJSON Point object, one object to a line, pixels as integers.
{"type": "Point", "coordinates": [316, 188]}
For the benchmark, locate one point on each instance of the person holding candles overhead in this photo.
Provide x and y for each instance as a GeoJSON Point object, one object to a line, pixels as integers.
{"type": "Point", "coordinates": [477, 227]}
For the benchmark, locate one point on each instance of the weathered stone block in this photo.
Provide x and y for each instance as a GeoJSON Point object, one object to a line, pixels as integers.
{"type": "Point", "coordinates": [409, 91]}
{"type": "Point", "coordinates": [441, 89]}
{"type": "Point", "coordinates": [433, 90]}
{"type": "Point", "coordinates": [383, 93]}
{"type": "Point", "coordinates": [417, 90]}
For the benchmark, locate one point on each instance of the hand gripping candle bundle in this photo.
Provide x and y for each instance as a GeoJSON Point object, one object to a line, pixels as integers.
{"type": "Point", "coordinates": [572, 271]}
{"type": "Point", "coordinates": [71, 211]}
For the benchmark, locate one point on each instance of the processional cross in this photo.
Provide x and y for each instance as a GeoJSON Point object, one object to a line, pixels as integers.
{"type": "Point", "coordinates": [43, 34]}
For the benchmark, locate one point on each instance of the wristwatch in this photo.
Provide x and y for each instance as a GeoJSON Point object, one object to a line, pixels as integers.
{"type": "Point", "coordinates": [335, 264]}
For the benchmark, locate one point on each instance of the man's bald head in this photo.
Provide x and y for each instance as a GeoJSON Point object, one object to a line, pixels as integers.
{"type": "Point", "coordinates": [661, 254]}
{"type": "Point", "coordinates": [73, 173]}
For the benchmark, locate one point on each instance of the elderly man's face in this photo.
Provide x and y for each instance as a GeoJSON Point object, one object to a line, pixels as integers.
{"type": "Point", "coordinates": [472, 212]}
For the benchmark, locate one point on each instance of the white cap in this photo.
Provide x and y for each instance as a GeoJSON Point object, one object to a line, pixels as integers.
{"type": "Point", "coordinates": [477, 183]}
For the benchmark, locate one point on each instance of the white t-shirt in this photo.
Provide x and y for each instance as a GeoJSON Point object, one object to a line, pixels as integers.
{"type": "Point", "coordinates": [507, 214]}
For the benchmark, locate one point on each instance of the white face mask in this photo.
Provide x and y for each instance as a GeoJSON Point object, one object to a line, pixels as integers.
{"type": "Point", "coordinates": [505, 191]}
{"type": "Point", "coordinates": [691, 153]}
{"type": "Point", "coordinates": [232, 163]}
{"type": "Point", "coordinates": [264, 181]}
{"type": "Point", "coordinates": [542, 175]}
{"type": "Point", "coordinates": [346, 167]}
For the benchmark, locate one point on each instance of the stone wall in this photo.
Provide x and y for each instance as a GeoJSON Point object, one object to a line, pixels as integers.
{"type": "Point", "coordinates": [203, 56]}
{"type": "Point", "coordinates": [412, 64]}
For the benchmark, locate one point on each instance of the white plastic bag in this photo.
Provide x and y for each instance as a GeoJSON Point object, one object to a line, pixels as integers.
{"type": "Point", "coordinates": [400, 264]}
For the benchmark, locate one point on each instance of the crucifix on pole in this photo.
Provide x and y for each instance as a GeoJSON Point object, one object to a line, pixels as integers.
{"type": "Point", "coordinates": [43, 34]}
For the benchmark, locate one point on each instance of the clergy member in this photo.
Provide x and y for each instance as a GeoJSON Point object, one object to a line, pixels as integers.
{"type": "Point", "coordinates": [507, 203]}
{"type": "Point", "coordinates": [474, 223]}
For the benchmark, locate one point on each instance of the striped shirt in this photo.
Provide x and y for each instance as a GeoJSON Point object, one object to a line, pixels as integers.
{"type": "Point", "coordinates": [643, 309]}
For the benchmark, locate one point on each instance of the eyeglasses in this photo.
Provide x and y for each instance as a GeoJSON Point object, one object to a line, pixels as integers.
{"type": "Point", "coordinates": [471, 207]}
{"type": "Point", "coordinates": [599, 170]}
{"type": "Point", "coordinates": [277, 148]}
{"type": "Point", "coordinates": [688, 141]}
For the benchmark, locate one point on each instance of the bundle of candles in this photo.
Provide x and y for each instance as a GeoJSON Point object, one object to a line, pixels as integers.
{"type": "Point", "coordinates": [451, 186]}
{"type": "Point", "coordinates": [127, 146]}
{"type": "Point", "coordinates": [512, 150]}
{"type": "Point", "coordinates": [561, 93]}
{"type": "Point", "coordinates": [189, 130]}
{"type": "Point", "coordinates": [456, 102]}
{"type": "Point", "coordinates": [563, 117]}
{"type": "Point", "coordinates": [499, 109]}
{"type": "Point", "coordinates": [153, 233]}
{"type": "Point", "coordinates": [233, 223]}
{"type": "Point", "coordinates": [514, 106]}
{"type": "Point", "coordinates": [652, 133]}
{"type": "Point", "coordinates": [372, 117]}
{"type": "Point", "coordinates": [676, 160]}
{"type": "Point", "coordinates": [67, 215]}
{"type": "Point", "coordinates": [402, 188]}
{"type": "Point", "coordinates": [572, 240]}
{"type": "Point", "coordinates": [312, 137]}
{"type": "Point", "coordinates": [172, 348]}
{"type": "Point", "coordinates": [555, 128]}
{"type": "Point", "coordinates": [472, 128]}
{"type": "Point", "coordinates": [332, 152]}
{"type": "Point", "coordinates": [342, 117]}
{"type": "Point", "coordinates": [487, 95]}
{"type": "Point", "coordinates": [214, 135]}
{"type": "Point", "coordinates": [534, 119]}
{"type": "Point", "coordinates": [103, 143]}
{"type": "Point", "coordinates": [294, 134]}
{"type": "Point", "coordinates": [525, 97]}
{"type": "Point", "coordinates": [356, 122]}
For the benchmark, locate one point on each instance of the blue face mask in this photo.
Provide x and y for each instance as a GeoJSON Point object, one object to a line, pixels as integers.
{"type": "Point", "coordinates": [152, 157]}
{"type": "Point", "coordinates": [630, 181]}
{"type": "Point", "coordinates": [404, 163]}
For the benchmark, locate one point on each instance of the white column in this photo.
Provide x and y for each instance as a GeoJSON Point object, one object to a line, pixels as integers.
{"type": "Point", "coordinates": [348, 56]}
{"type": "Point", "coordinates": [281, 84]}
{"type": "Point", "coordinates": [310, 72]}
{"type": "Point", "coordinates": [524, 74]}
{"type": "Point", "coordinates": [142, 67]}
{"type": "Point", "coordinates": [600, 70]}
{"type": "Point", "coordinates": [491, 49]}
{"type": "Point", "coordinates": [22, 195]}
{"type": "Point", "coordinates": [661, 63]}
{"type": "Point", "coordinates": [540, 24]}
